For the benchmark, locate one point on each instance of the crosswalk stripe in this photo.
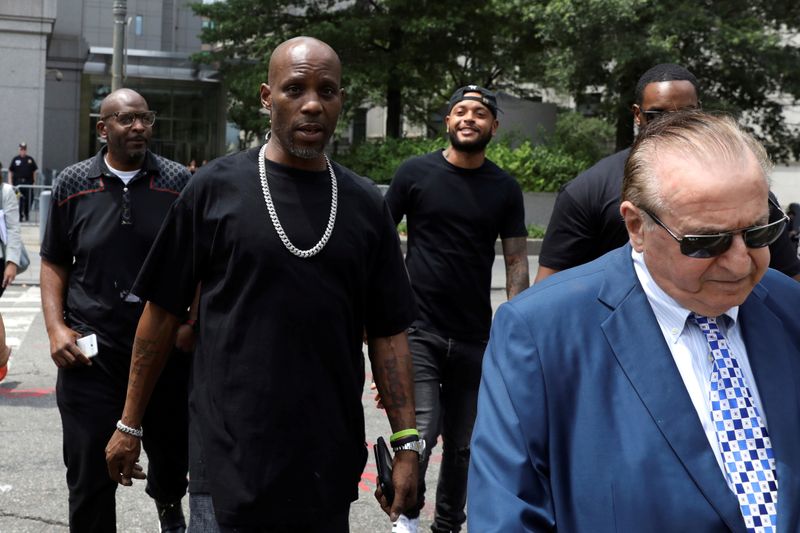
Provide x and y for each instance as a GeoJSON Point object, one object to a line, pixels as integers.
{"type": "Point", "coordinates": [18, 314]}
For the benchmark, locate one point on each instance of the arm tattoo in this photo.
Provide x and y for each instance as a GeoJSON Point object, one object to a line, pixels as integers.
{"type": "Point", "coordinates": [144, 351]}
{"type": "Point", "coordinates": [516, 259]}
{"type": "Point", "coordinates": [394, 397]}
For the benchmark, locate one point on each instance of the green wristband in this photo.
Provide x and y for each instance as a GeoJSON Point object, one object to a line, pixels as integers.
{"type": "Point", "coordinates": [403, 433]}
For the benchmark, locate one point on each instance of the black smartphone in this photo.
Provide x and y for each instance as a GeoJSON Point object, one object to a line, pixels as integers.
{"type": "Point", "coordinates": [383, 459]}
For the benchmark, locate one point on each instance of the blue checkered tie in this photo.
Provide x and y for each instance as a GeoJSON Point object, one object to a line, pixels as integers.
{"type": "Point", "coordinates": [743, 438]}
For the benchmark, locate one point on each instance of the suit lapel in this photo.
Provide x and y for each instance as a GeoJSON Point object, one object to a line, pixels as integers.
{"type": "Point", "coordinates": [769, 358]}
{"type": "Point", "coordinates": [639, 347]}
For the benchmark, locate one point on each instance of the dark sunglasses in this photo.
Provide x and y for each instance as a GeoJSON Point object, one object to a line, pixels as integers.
{"type": "Point", "coordinates": [126, 119]}
{"type": "Point", "coordinates": [654, 114]}
{"type": "Point", "coordinates": [705, 246]}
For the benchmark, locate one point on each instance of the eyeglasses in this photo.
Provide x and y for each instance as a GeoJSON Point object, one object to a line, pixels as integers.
{"type": "Point", "coordinates": [705, 246]}
{"type": "Point", "coordinates": [654, 114]}
{"type": "Point", "coordinates": [126, 119]}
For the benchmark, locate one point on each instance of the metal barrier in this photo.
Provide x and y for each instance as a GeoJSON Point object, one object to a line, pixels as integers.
{"type": "Point", "coordinates": [34, 200]}
{"type": "Point", "coordinates": [44, 209]}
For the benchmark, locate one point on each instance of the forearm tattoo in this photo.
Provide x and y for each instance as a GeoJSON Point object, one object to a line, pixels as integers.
{"type": "Point", "coordinates": [394, 397]}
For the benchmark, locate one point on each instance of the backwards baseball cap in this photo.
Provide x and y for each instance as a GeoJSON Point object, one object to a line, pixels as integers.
{"type": "Point", "coordinates": [486, 97]}
{"type": "Point", "coordinates": [23, 144]}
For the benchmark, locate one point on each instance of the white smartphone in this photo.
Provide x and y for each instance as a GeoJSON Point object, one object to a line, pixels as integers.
{"type": "Point", "coordinates": [88, 345]}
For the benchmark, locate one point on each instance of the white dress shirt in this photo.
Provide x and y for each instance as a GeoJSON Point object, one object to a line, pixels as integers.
{"type": "Point", "coordinates": [691, 353]}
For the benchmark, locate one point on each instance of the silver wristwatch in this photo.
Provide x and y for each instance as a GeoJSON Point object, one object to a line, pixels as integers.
{"type": "Point", "coordinates": [414, 446]}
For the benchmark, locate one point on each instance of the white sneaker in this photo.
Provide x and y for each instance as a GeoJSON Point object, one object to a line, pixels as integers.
{"type": "Point", "coordinates": [405, 524]}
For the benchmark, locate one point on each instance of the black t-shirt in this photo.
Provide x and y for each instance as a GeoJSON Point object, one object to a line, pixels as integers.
{"type": "Point", "coordinates": [22, 169]}
{"type": "Point", "coordinates": [586, 222]}
{"type": "Point", "coordinates": [278, 367]}
{"type": "Point", "coordinates": [454, 217]}
{"type": "Point", "coordinates": [101, 230]}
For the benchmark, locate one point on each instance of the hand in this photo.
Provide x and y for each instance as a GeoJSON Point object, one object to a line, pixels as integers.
{"type": "Point", "coordinates": [5, 354]}
{"type": "Point", "coordinates": [65, 351]}
{"type": "Point", "coordinates": [184, 338]}
{"type": "Point", "coordinates": [9, 274]}
{"type": "Point", "coordinates": [378, 402]}
{"type": "Point", "coordinates": [122, 458]}
{"type": "Point", "coordinates": [405, 470]}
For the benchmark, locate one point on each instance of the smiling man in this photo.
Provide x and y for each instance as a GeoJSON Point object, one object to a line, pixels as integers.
{"type": "Point", "coordinates": [105, 215]}
{"type": "Point", "coordinates": [457, 203]}
{"type": "Point", "coordinates": [656, 388]}
{"type": "Point", "coordinates": [296, 256]}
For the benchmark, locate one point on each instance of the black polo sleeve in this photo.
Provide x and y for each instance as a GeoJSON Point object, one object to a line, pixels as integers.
{"type": "Point", "coordinates": [56, 247]}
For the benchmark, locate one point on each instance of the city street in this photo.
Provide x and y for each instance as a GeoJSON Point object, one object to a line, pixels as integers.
{"type": "Point", "coordinates": [33, 493]}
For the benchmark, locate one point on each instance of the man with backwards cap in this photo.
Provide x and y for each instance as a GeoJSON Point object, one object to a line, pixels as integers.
{"type": "Point", "coordinates": [457, 202]}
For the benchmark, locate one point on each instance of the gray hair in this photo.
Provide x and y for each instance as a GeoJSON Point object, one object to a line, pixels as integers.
{"type": "Point", "coordinates": [690, 133]}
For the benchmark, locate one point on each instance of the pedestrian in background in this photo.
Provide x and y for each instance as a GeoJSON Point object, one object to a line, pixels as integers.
{"type": "Point", "coordinates": [457, 203]}
{"type": "Point", "coordinates": [105, 214]}
{"type": "Point", "coordinates": [10, 234]}
{"type": "Point", "coordinates": [22, 174]}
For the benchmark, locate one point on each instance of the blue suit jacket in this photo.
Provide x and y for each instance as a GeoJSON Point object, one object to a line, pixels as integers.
{"type": "Point", "coordinates": [584, 423]}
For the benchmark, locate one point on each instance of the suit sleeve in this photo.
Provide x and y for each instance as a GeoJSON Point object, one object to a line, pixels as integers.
{"type": "Point", "coordinates": [509, 487]}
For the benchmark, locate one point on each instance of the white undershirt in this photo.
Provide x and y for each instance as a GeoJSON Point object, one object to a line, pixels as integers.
{"type": "Point", "coordinates": [690, 350]}
{"type": "Point", "coordinates": [124, 175]}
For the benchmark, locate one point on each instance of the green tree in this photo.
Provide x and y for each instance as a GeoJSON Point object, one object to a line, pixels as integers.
{"type": "Point", "coordinates": [407, 55]}
{"type": "Point", "coordinates": [738, 49]}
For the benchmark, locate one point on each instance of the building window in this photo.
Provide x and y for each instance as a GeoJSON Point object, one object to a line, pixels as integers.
{"type": "Point", "coordinates": [137, 25]}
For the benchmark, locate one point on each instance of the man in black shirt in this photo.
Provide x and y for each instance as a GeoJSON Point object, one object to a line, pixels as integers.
{"type": "Point", "coordinates": [296, 257]}
{"type": "Point", "coordinates": [105, 215]}
{"type": "Point", "coordinates": [586, 222]}
{"type": "Point", "coordinates": [457, 203]}
{"type": "Point", "coordinates": [22, 171]}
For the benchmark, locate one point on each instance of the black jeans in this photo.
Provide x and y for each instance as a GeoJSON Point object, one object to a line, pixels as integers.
{"type": "Point", "coordinates": [447, 374]}
{"type": "Point", "coordinates": [90, 400]}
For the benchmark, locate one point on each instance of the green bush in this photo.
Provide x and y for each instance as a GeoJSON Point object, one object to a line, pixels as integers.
{"type": "Point", "coordinates": [378, 160]}
{"type": "Point", "coordinates": [576, 144]}
{"type": "Point", "coordinates": [535, 231]}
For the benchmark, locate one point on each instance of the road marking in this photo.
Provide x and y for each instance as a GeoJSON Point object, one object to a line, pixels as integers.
{"type": "Point", "coordinates": [18, 313]}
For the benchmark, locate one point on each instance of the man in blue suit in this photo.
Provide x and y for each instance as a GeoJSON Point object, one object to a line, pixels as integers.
{"type": "Point", "coordinates": [656, 388]}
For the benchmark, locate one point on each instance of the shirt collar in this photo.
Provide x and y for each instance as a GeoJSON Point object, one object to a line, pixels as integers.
{"type": "Point", "coordinates": [668, 312]}
{"type": "Point", "coordinates": [99, 168]}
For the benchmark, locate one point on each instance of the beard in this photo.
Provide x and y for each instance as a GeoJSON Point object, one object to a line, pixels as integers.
{"type": "Point", "coordinates": [472, 146]}
{"type": "Point", "coordinates": [285, 138]}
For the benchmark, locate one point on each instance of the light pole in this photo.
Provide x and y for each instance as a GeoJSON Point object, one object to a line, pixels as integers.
{"type": "Point", "coordinates": [120, 10]}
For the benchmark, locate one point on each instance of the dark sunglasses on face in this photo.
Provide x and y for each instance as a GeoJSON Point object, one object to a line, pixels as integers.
{"type": "Point", "coordinates": [654, 114]}
{"type": "Point", "coordinates": [705, 246]}
{"type": "Point", "coordinates": [126, 119]}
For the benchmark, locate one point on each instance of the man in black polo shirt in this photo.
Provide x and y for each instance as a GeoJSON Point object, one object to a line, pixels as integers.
{"type": "Point", "coordinates": [22, 171]}
{"type": "Point", "coordinates": [296, 257]}
{"type": "Point", "coordinates": [105, 214]}
{"type": "Point", "coordinates": [586, 222]}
